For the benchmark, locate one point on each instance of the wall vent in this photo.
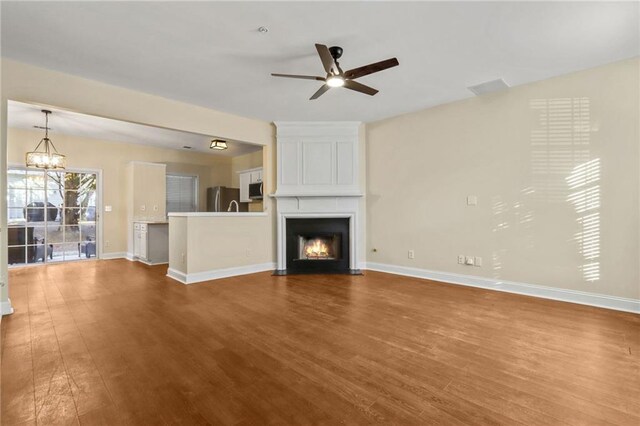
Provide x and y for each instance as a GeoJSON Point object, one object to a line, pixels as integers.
{"type": "Point", "coordinates": [489, 87]}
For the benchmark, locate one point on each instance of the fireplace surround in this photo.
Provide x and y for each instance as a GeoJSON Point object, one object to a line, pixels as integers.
{"type": "Point", "coordinates": [320, 225]}
{"type": "Point", "coordinates": [317, 245]}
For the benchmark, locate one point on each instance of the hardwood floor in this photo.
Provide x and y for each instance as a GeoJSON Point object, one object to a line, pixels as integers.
{"type": "Point", "coordinates": [116, 342]}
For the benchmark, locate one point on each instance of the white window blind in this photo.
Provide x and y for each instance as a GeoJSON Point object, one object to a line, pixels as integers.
{"type": "Point", "coordinates": [182, 193]}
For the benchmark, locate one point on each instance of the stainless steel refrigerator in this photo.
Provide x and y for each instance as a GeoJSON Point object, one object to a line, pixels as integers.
{"type": "Point", "coordinates": [219, 198]}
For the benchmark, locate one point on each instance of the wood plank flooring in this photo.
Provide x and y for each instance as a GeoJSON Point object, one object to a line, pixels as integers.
{"type": "Point", "coordinates": [115, 342]}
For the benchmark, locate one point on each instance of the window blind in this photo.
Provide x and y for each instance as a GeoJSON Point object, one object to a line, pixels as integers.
{"type": "Point", "coordinates": [182, 193]}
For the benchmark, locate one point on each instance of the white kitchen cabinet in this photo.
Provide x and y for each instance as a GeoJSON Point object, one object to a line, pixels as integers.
{"type": "Point", "coordinates": [256, 176]}
{"type": "Point", "coordinates": [245, 180]}
{"type": "Point", "coordinates": [136, 240]}
{"type": "Point", "coordinates": [248, 177]}
{"type": "Point", "coordinates": [151, 242]}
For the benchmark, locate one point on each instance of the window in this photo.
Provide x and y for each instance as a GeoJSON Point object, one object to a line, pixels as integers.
{"type": "Point", "coordinates": [182, 193]}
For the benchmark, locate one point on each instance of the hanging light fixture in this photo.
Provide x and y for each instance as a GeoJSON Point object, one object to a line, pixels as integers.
{"type": "Point", "coordinates": [48, 157]}
{"type": "Point", "coordinates": [218, 144]}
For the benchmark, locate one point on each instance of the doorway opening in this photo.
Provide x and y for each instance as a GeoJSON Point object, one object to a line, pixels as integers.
{"type": "Point", "coordinates": [52, 215]}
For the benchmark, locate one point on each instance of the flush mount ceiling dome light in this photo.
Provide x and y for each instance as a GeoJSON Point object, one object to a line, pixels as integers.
{"type": "Point", "coordinates": [48, 157]}
{"type": "Point", "coordinates": [218, 144]}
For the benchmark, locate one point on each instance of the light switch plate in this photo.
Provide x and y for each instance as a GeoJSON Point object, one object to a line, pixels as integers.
{"type": "Point", "coordinates": [469, 260]}
{"type": "Point", "coordinates": [472, 200]}
{"type": "Point", "coordinates": [477, 261]}
{"type": "Point", "coordinates": [107, 208]}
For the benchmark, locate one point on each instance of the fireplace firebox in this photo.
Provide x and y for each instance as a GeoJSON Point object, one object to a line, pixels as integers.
{"type": "Point", "coordinates": [317, 245]}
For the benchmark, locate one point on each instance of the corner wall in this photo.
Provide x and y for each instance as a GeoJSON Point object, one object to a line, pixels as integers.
{"type": "Point", "coordinates": [555, 166]}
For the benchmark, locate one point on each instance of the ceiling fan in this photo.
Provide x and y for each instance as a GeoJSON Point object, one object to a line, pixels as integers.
{"type": "Point", "coordinates": [338, 78]}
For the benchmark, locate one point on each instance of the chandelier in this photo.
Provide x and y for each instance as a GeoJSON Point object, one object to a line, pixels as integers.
{"type": "Point", "coordinates": [47, 157]}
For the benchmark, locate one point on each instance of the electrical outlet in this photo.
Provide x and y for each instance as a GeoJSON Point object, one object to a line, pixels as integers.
{"type": "Point", "coordinates": [411, 254]}
{"type": "Point", "coordinates": [468, 260]}
{"type": "Point", "coordinates": [477, 261]}
{"type": "Point", "coordinates": [182, 257]}
{"type": "Point", "coordinates": [461, 259]}
{"type": "Point", "coordinates": [248, 252]}
{"type": "Point", "coordinates": [155, 208]}
{"type": "Point", "coordinates": [108, 208]}
{"type": "Point", "coordinates": [106, 243]}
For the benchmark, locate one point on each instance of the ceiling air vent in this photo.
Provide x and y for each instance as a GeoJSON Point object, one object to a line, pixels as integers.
{"type": "Point", "coordinates": [489, 87]}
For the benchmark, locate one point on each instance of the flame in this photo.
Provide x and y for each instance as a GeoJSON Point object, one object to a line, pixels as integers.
{"type": "Point", "coordinates": [316, 248]}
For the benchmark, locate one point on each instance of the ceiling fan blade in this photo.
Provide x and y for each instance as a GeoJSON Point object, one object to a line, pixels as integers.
{"type": "Point", "coordinates": [371, 68]}
{"type": "Point", "coordinates": [304, 77]}
{"type": "Point", "coordinates": [359, 87]}
{"type": "Point", "coordinates": [327, 60]}
{"type": "Point", "coordinates": [320, 92]}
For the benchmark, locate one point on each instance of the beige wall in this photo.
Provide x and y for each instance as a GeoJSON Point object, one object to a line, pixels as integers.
{"type": "Point", "coordinates": [244, 162]}
{"type": "Point", "coordinates": [555, 167]}
{"type": "Point", "coordinates": [26, 83]}
{"type": "Point", "coordinates": [227, 242]}
{"type": "Point", "coordinates": [178, 239]}
{"type": "Point", "coordinates": [111, 158]}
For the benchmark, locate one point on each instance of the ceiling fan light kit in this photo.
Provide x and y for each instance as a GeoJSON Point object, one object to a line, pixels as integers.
{"type": "Point", "coordinates": [336, 77]}
{"type": "Point", "coordinates": [335, 81]}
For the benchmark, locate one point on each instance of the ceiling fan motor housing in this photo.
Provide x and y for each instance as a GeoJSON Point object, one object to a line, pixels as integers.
{"type": "Point", "coordinates": [336, 52]}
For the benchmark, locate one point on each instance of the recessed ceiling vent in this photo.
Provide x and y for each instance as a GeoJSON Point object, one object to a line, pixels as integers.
{"type": "Point", "coordinates": [489, 87]}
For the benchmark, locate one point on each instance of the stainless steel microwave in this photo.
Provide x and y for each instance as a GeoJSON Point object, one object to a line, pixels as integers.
{"type": "Point", "coordinates": [255, 191]}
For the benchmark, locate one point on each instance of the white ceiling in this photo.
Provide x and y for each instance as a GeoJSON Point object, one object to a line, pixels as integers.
{"type": "Point", "coordinates": [211, 54]}
{"type": "Point", "coordinates": [26, 116]}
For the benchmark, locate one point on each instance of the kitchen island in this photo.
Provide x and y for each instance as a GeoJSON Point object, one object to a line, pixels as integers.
{"type": "Point", "coordinates": [206, 246]}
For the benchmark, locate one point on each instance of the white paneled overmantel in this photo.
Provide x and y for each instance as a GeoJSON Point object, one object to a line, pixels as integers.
{"type": "Point", "coordinates": [318, 177]}
{"type": "Point", "coordinates": [317, 159]}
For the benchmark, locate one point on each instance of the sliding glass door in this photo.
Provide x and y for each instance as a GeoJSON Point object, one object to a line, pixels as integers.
{"type": "Point", "coordinates": [52, 216]}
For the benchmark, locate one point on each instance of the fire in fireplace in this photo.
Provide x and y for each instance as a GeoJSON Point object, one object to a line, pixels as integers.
{"type": "Point", "coordinates": [317, 245]}
{"type": "Point", "coordinates": [319, 248]}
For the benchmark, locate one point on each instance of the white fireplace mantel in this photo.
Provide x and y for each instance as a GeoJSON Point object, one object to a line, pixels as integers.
{"type": "Point", "coordinates": [318, 177]}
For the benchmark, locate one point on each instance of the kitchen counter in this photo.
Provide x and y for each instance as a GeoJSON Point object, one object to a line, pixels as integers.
{"type": "Point", "coordinates": [210, 245]}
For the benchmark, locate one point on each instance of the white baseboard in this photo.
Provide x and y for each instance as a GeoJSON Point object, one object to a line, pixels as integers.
{"type": "Point", "coordinates": [152, 263]}
{"type": "Point", "coordinates": [114, 255]}
{"type": "Point", "coordinates": [219, 273]}
{"type": "Point", "coordinates": [6, 308]}
{"type": "Point", "coordinates": [572, 296]}
{"type": "Point", "coordinates": [177, 275]}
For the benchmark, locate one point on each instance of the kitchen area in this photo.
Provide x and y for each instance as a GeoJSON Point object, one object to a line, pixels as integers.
{"type": "Point", "coordinates": [247, 196]}
{"type": "Point", "coordinates": [160, 193]}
